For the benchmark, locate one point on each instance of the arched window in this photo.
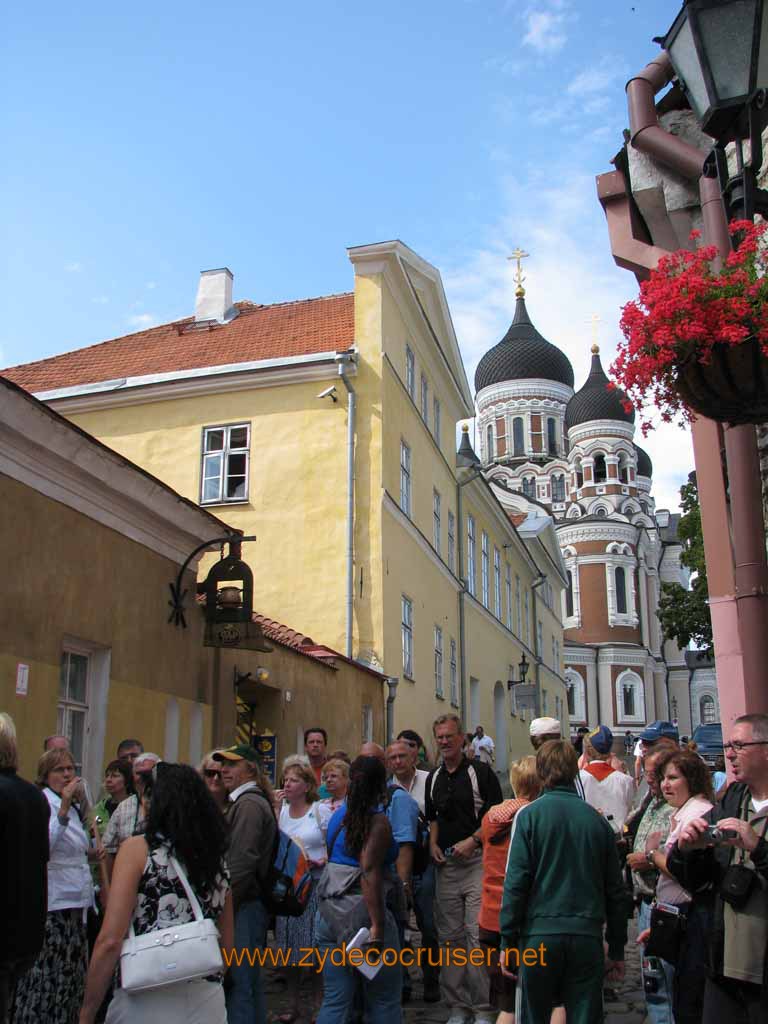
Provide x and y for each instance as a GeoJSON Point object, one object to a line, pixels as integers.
{"type": "Point", "coordinates": [707, 709]}
{"type": "Point", "coordinates": [518, 437]}
{"type": "Point", "coordinates": [579, 473]}
{"type": "Point", "coordinates": [621, 591]}
{"type": "Point", "coordinates": [576, 696]}
{"type": "Point", "coordinates": [601, 512]}
{"type": "Point", "coordinates": [558, 487]}
{"type": "Point", "coordinates": [490, 442]}
{"type": "Point", "coordinates": [623, 468]}
{"type": "Point", "coordinates": [630, 704]}
{"type": "Point", "coordinates": [569, 599]}
{"type": "Point", "coordinates": [551, 436]}
{"type": "Point", "coordinates": [529, 486]}
{"type": "Point", "coordinates": [601, 473]}
{"type": "Point", "coordinates": [571, 700]}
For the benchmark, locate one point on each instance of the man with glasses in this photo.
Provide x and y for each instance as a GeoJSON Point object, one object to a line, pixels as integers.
{"type": "Point", "coordinates": [734, 863]}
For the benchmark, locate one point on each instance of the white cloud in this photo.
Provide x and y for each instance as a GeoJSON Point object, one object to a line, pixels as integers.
{"type": "Point", "coordinates": [597, 79]}
{"type": "Point", "coordinates": [142, 320]}
{"type": "Point", "coordinates": [569, 276]}
{"type": "Point", "coordinates": [73, 268]}
{"type": "Point", "coordinates": [546, 26]}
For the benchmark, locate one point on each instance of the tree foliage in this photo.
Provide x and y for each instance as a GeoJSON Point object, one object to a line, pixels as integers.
{"type": "Point", "coordinates": [684, 614]}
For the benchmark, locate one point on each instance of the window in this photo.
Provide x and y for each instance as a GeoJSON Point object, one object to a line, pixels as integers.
{"type": "Point", "coordinates": [571, 699]}
{"type": "Point", "coordinates": [601, 512]}
{"type": "Point", "coordinates": [451, 541]}
{"type": "Point", "coordinates": [410, 372]}
{"type": "Point", "coordinates": [518, 436]}
{"type": "Point", "coordinates": [579, 474]}
{"type": "Point", "coordinates": [628, 693]}
{"type": "Point", "coordinates": [225, 464]}
{"type": "Point", "coordinates": [708, 709]}
{"type": "Point", "coordinates": [72, 709]}
{"type": "Point", "coordinates": [406, 629]}
{"type": "Point", "coordinates": [630, 705]}
{"type": "Point", "coordinates": [436, 521]}
{"type": "Point", "coordinates": [424, 399]}
{"type": "Point", "coordinates": [527, 620]}
{"type": "Point", "coordinates": [497, 582]}
{"type": "Point", "coordinates": [471, 555]}
{"type": "Point", "coordinates": [551, 436]}
{"type": "Point", "coordinates": [621, 591]}
{"type": "Point", "coordinates": [575, 690]}
{"type": "Point", "coordinates": [484, 570]}
{"type": "Point", "coordinates": [623, 468]}
{"type": "Point", "coordinates": [436, 420]}
{"type": "Point", "coordinates": [601, 473]}
{"type": "Point", "coordinates": [405, 478]}
{"type": "Point", "coordinates": [569, 595]}
{"type": "Point", "coordinates": [489, 436]}
{"type": "Point", "coordinates": [454, 676]}
{"type": "Point", "coordinates": [554, 657]}
{"type": "Point", "coordinates": [438, 661]}
{"type": "Point", "coordinates": [518, 608]}
{"type": "Point", "coordinates": [558, 488]}
{"type": "Point", "coordinates": [529, 486]}
{"type": "Point", "coordinates": [540, 639]}
{"type": "Point", "coordinates": [508, 593]}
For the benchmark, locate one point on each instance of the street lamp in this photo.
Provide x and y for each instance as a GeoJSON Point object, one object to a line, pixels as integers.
{"type": "Point", "coordinates": [719, 50]}
{"type": "Point", "coordinates": [522, 668]}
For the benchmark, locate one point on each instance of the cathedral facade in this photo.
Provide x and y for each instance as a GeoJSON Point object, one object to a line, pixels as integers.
{"type": "Point", "coordinates": [551, 451]}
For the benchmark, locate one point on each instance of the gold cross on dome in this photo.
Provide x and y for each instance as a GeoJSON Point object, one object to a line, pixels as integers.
{"type": "Point", "coordinates": [594, 320]}
{"type": "Point", "coordinates": [519, 255]}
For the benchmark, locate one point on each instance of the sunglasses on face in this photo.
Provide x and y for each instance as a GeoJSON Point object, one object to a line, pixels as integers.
{"type": "Point", "coordinates": [212, 773]}
{"type": "Point", "coordinates": [738, 746]}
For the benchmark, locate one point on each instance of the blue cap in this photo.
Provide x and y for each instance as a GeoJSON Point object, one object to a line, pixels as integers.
{"type": "Point", "coordinates": [601, 739]}
{"type": "Point", "coordinates": [656, 730]}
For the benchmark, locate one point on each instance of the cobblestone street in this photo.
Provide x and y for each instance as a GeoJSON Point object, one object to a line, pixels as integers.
{"type": "Point", "coordinates": [627, 1005]}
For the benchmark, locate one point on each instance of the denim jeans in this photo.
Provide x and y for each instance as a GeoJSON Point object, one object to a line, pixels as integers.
{"type": "Point", "coordinates": [424, 907]}
{"type": "Point", "coordinates": [245, 993]}
{"type": "Point", "coordinates": [380, 996]}
{"type": "Point", "coordinates": [659, 1003]}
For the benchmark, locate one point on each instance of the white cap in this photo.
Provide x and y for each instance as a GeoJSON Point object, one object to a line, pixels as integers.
{"type": "Point", "coordinates": [545, 726]}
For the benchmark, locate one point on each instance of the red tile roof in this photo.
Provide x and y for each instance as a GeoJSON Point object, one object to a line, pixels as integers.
{"type": "Point", "coordinates": [517, 517]}
{"type": "Point", "coordinates": [259, 332]}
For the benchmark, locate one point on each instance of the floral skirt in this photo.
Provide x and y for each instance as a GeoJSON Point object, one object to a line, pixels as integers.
{"type": "Point", "coordinates": [296, 935]}
{"type": "Point", "coordinates": [52, 991]}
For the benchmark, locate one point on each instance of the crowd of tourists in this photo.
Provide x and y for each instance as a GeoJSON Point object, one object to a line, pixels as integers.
{"type": "Point", "coordinates": [159, 902]}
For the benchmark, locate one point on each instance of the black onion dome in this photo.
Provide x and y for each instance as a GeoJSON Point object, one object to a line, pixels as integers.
{"type": "Point", "coordinates": [644, 464]}
{"type": "Point", "coordinates": [523, 353]}
{"type": "Point", "coordinates": [596, 401]}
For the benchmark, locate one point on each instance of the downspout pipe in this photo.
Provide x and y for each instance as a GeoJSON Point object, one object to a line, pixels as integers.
{"type": "Point", "coordinates": [750, 566]}
{"type": "Point", "coordinates": [346, 360]}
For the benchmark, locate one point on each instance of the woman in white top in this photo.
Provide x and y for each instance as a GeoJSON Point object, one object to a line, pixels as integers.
{"type": "Point", "coordinates": [686, 785]}
{"type": "Point", "coordinates": [305, 819]}
{"type": "Point", "coordinates": [53, 990]}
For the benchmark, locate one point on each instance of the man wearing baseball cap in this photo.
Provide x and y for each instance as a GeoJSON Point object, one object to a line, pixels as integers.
{"type": "Point", "coordinates": [656, 730]}
{"type": "Point", "coordinates": [253, 828]}
{"type": "Point", "coordinates": [543, 729]}
{"type": "Point", "coordinates": [609, 791]}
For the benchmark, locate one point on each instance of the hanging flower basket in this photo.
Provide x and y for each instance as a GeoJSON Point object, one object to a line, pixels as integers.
{"type": "Point", "coordinates": [696, 340]}
{"type": "Point", "coordinates": [732, 387]}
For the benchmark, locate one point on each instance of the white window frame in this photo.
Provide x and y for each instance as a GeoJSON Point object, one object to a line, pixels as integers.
{"type": "Point", "coordinates": [628, 677]}
{"type": "Point", "coordinates": [451, 541]}
{"type": "Point", "coordinates": [454, 675]}
{"type": "Point", "coordinates": [471, 555]}
{"type": "Point", "coordinates": [405, 479]}
{"type": "Point", "coordinates": [224, 453]}
{"type": "Point", "coordinates": [436, 502]}
{"type": "Point", "coordinates": [425, 399]}
{"type": "Point", "coordinates": [572, 565]}
{"type": "Point", "coordinates": [497, 582]}
{"type": "Point", "coordinates": [518, 608]}
{"type": "Point", "coordinates": [439, 662]}
{"type": "Point", "coordinates": [410, 372]}
{"type": "Point", "coordinates": [508, 592]}
{"type": "Point", "coordinates": [406, 634]}
{"type": "Point", "coordinates": [527, 619]}
{"type": "Point", "coordinates": [67, 707]}
{"type": "Point", "coordinates": [574, 682]}
{"type": "Point", "coordinates": [485, 571]}
{"type": "Point", "coordinates": [619, 556]}
{"type": "Point", "coordinates": [436, 420]}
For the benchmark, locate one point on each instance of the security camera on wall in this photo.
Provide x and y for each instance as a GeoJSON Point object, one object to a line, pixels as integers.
{"type": "Point", "coordinates": [329, 393]}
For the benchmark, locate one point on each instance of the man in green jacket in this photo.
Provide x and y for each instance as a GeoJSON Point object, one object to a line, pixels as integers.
{"type": "Point", "coordinates": [562, 888]}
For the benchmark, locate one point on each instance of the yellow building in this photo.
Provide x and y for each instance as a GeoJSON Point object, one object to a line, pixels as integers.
{"type": "Point", "coordinates": [327, 428]}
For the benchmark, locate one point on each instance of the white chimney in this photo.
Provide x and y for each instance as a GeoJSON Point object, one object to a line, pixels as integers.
{"type": "Point", "coordinates": [214, 296]}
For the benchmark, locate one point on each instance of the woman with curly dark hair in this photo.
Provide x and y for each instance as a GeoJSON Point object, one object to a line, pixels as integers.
{"type": "Point", "coordinates": [352, 892]}
{"type": "Point", "coordinates": [184, 825]}
{"type": "Point", "coordinates": [687, 786]}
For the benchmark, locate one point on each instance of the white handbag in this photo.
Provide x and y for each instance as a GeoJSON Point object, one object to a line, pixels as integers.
{"type": "Point", "coordinates": [168, 955]}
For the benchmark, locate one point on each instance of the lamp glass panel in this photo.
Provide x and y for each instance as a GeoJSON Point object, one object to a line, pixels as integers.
{"type": "Point", "coordinates": [685, 59]}
{"type": "Point", "coordinates": [726, 33]}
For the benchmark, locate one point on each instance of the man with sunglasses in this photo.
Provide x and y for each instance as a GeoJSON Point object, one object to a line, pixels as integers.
{"type": "Point", "coordinates": [735, 866]}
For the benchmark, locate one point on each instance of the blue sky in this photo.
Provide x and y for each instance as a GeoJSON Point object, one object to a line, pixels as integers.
{"type": "Point", "coordinates": [146, 143]}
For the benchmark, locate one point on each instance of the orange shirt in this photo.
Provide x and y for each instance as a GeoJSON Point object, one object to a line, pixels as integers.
{"type": "Point", "coordinates": [495, 824]}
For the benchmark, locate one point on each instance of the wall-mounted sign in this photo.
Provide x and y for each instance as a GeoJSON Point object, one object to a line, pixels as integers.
{"type": "Point", "coordinates": [266, 746]}
{"type": "Point", "coordinates": [22, 680]}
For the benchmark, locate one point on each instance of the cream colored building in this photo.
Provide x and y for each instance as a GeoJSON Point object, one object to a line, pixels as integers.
{"type": "Point", "coordinates": [327, 428]}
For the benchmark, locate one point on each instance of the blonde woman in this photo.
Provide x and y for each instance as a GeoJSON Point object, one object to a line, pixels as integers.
{"type": "Point", "coordinates": [210, 771]}
{"type": "Point", "coordinates": [336, 781]}
{"type": "Point", "coordinates": [305, 819]}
